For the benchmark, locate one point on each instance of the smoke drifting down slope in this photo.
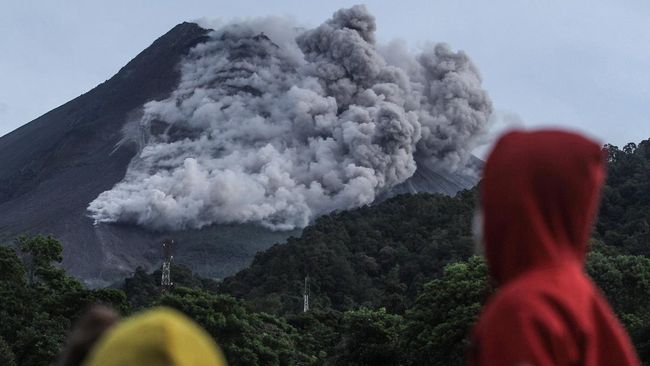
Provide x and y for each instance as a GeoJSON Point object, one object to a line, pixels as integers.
{"type": "Point", "coordinates": [277, 125]}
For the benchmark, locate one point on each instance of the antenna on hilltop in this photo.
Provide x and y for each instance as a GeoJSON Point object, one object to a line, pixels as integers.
{"type": "Point", "coordinates": [305, 306]}
{"type": "Point", "coordinates": [166, 281]}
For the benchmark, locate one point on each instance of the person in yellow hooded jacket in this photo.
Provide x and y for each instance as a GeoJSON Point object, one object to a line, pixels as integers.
{"type": "Point", "coordinates": [157, 337]}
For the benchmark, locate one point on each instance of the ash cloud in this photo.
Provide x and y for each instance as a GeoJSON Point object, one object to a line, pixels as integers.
{"type": "Point", "coordinates": [275, 124]}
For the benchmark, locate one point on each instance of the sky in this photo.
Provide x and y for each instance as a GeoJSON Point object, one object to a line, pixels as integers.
{"type": "Point", "coordinates": [581, 65]}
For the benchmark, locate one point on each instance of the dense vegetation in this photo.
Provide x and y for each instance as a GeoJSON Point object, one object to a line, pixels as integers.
{"type": "Point", "coordinates": [38, 301]}
{"type": "Point", "coordinates": [393, 283]}
{"type": "Point", "coordinates": [378, 256]}
{"type": "Point", "coordinates": [624, 221]}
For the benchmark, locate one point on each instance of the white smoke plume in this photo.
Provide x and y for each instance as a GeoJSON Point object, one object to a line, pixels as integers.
{"type": "Point", "coordinates": [277, 125]}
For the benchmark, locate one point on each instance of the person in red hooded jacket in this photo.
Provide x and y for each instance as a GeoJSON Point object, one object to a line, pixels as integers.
{"type": "Point", "coordinates": [539, 195]}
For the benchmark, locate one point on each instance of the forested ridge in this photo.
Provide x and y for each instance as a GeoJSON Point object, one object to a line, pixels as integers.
{"type": "Point", "coordinates": [390, 284]}
{"type": "Point", "coordinates": [377, 256]}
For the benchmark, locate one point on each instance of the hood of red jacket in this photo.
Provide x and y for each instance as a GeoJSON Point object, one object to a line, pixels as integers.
{"type": "Point", "coordinates": [539, 195]}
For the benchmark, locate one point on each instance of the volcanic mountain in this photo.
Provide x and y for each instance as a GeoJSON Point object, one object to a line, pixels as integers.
{"type": "Point", "coordinates": [54, 166]}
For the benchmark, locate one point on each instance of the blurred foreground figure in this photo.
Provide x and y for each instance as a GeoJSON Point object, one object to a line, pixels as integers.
{"type": "Point", "coordinates": [160, 337]}
{"type": "Point", "coordinates": [540, 192]}
{"type": "Point", "coordinates": [87, 330]}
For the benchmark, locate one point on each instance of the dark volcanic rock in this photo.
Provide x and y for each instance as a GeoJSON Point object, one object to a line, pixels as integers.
{"type": "Point", "coordinates": [430, 179]}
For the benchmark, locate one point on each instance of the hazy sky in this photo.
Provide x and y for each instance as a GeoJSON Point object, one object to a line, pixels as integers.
{"type": "Point", "coordinates": [577, 64]}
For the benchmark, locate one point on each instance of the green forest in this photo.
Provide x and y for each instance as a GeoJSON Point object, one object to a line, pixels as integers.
{"type": "Point", "coordinates": [394, 283]}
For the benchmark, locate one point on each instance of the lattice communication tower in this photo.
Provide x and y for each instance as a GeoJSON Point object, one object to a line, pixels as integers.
{"type": "Point", "coordinates": [166, 280]}
{"type": "Point", "coordinates": [305, 303]}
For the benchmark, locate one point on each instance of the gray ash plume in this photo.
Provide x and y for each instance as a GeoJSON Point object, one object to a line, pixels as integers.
{"type": "Point", "coordinates": [277, 125]}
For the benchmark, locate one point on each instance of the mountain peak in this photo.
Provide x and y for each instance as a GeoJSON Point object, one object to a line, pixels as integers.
{"type": "Point", "coordinates": [56, 166]}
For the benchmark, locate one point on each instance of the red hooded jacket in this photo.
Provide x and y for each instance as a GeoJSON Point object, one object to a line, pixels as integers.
{"type": "Point", "coordinates": [540, 192]}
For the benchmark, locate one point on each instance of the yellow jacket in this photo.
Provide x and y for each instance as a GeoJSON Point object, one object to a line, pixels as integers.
{"type": "Point", "coordinates": [158, 337]}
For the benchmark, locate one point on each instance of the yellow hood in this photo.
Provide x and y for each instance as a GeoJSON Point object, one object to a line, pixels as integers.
{"type": "Point", "coordinates": [157, 337]}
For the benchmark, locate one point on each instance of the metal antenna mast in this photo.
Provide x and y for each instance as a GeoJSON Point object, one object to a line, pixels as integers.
{"type": "Point", "coordinates": [166, 281]}
{"type": "Point", "coordinates": [305, 305]}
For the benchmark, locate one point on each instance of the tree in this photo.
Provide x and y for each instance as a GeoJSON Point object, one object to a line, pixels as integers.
{"type": "Point", "coordinates": [35, 314]}
{"type": "Point", "coordinates": [41, 254]}
{"type": "Point", "coordinates": [320, 331]}
{"type": "Point", "coordinates": [39, 339]}
{"type": "Point", "coordinates": [438, 325]}
{"type": "Point", "coordinates": [624, 217]}
{"type": "Point", "coordinates": [11, 268]}
{"type": "Point", "coordinates": [7, 357]}
{"type": "Point", "coordinates": [246, 338]}
{"type": "Point", "coordinates": [141, 288]}
{"type": "Point", "coordinates": [369, 337]}
{"type": "Point", "coordinates": [629, 148]}
{"type": "Point", "coordinates": [625, 281]}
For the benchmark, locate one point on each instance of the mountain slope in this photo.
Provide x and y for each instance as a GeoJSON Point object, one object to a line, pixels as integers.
{"type": "Point", "coordinates": [55, 165]}
{"type": "Point", "coordinates": [52, 167]}
{"type": "Point", "coordinates": [377, 256]}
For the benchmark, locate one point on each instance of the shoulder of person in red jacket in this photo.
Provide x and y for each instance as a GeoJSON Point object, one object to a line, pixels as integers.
{"type": "Point", "coordinates": [539, 195]}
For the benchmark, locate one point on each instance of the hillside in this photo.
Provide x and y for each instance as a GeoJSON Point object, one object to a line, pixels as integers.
{"type": "Point", "coordinates": [380, 256]}
{"type": "Point", "coordinates": [376, 256]}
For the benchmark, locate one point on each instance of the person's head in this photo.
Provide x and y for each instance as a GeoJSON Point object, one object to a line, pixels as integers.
{"type": "Point", "coordinates": [161, 337]}
{"type": "Point", "coordinates": [539, 194]}
{"type": "Point", "coordinates": [85, 333]}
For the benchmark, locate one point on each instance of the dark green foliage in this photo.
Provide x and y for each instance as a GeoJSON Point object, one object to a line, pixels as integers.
{"type": "Point", "coordinates": [39, 302]}
{"type": "Point", "coordinates": [625, 281]}
{"type": "Point", "coordinates": [141, 288]}
{"type": "Point", "coordinates": [7, 357]}
{"type": "Point", "coordinates": [41, 252]}
{"type": "Point", "coordinates": [37, 342]}
{"type": "Point", "coordinates": [624, 219]}
{"type": "Point", "coordinates": [440, 320]}
{"type": "Point", "coordinates": [376, 256]}
{"type": "Point", "coordinates": [11, 268]}
{"type": "Point", "coordinates": [320, 331]}
{"type": "Point", "coordinates": [246, 338]}
{"type": "Point", "coordinates": [369, 337]}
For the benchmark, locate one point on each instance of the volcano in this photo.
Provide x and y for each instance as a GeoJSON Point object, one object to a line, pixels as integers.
{"type": "Point", "coordinates": [54, 166]}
